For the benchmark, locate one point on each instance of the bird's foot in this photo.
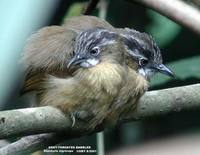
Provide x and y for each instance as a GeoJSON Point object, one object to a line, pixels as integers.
{"type": "Point", "coordinates": [83, 116]}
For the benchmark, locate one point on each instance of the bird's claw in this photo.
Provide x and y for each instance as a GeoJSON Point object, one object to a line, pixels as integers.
{"type": "Point", "coordinates": [73, 119]}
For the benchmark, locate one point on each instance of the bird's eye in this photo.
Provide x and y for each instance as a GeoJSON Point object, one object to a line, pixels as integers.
{"type": "Point", "coordinates": [94, 51]}
{"type": "Point", "coordinates": [143, 62]}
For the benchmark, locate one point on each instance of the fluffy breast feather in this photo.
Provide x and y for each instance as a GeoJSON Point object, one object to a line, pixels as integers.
{"type": "Point", "coordinates": [107, 76]}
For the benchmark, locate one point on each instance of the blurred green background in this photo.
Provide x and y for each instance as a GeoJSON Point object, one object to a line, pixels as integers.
{"type": "Point", "coordinates": [180, 48]}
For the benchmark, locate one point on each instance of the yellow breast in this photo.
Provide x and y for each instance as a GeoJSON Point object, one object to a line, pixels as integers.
{"type": "Point", "coordinates": [107, 76]}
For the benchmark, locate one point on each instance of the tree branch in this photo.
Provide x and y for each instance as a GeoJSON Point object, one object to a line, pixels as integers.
{"type": "Point", "coordinates": [28, 121]}
{"type": "Point", "coordinates": [40, 120]}
{"type": "Point", "coordinates": [176, 10]}
{"type": "Point", "coordinates": [160, 102]}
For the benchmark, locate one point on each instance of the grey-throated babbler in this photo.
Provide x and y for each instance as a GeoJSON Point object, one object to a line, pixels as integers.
{"type": "Point", "coordinates": [84, 85]}
{"type": "Point", "coordinates": [63, 78]}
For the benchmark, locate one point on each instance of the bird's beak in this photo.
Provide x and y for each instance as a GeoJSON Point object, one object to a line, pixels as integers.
{"type": "Point", "coordinates": [74, 61]}
{"type": "Point", "coordinates": [165, 70]}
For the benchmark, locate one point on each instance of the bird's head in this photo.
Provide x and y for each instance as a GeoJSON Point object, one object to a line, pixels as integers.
{"type": "Point", "coordinates": [145, 52]}
{"type": "Point", "coordinates": [94, 46]}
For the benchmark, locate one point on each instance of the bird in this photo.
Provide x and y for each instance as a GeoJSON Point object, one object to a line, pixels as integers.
{"type": "Point", "coordinates": [52, 55]}
{"type": "Point", "coordinates": [144, 60]}
{"type": "Point", "coordinates": [87, 84]}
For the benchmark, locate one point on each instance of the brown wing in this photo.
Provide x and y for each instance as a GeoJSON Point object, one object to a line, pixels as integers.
{"type": "Point", "coordinates": [47, 52]}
